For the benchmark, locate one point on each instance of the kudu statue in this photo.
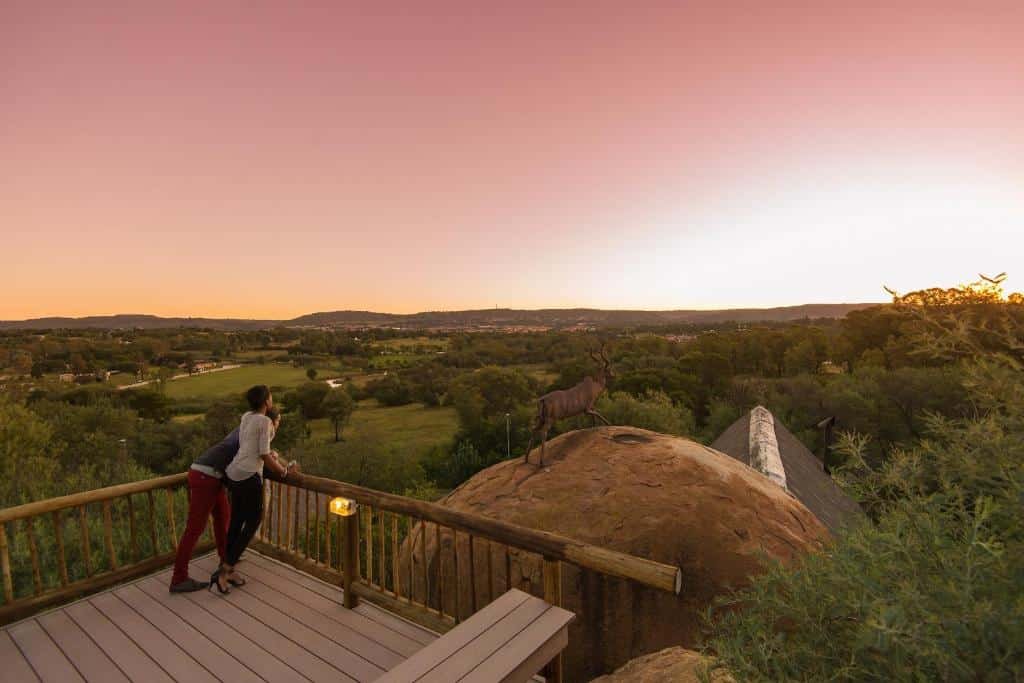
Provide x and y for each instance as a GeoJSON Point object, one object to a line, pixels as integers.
{"type": "Point", "coordinates": [578, 400]}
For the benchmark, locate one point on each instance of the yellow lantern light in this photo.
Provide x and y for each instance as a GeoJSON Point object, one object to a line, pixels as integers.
{"type": "Point", "coordinates": [345, 507]}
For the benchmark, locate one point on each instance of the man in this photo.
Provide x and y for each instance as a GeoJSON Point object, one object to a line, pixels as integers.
{"type": "Point", "coordinates": [206, 497]}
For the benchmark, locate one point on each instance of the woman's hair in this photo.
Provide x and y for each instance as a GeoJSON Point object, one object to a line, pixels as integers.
{"type": "Point", "coordinates": [273, 414]}
{"type": "Point", "coordinates": [257, 396]}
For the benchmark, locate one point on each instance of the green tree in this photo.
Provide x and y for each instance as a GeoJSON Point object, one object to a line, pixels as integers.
{"type": "Point", "coordinates": [654, 411]}
{"type": "Point", "coordinates": [27, 466]}
{"type": "Point", "coordinates": [337, 405]}
{"type": "Point", "coordinates": [311, 373]}
{"type": "Point", "coordinates": [932, 589]}
{"type": "Point", "coordinates": [308, 399]}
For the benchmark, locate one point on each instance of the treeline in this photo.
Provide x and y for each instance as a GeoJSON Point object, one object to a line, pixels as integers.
{"type": "Point", "coordinates": [930, 589]}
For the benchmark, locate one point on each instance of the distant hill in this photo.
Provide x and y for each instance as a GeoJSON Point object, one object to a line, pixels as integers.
{"type": "Point", "coordinates": [482, 319]}
{"type": "Point", "coordinates": [134, 321]}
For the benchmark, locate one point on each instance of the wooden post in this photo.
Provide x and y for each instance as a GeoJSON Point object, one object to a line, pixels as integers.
{"type": "Point", "coordinates": [33, 551]}
{"type": "Point", "coordinates": [108, 535]}
{"type": "Point", "coordinates": [155, 550]}
{"type": "Point", "coordinates": [277, 529]}
{"type": "Point", "coordinates": [131, 530]}
{"type": "Point", "coordinates": [411, 539]}
{"type": "Point", "coordinates": [553, 594]}
{"type": "Point", "coordinates": [295, 524]}
{"type": "Point", "coordinates": [350, 559]}
{"type": "Point", "coordinates": [455, 574]}
{"type": "Point", "coordinates": [369, 544]}
{"type": "Point", "coordinates": [267, 527]}
{"type": "Point", "coordinates": [316, 527]}
{"type": "Point", "coordinates": [508, 569]}
{"type": "Point", "coordinates": [327, 535]}
{"type": "Point", "coordinates": [287, 531]}
{"type": "Point", "coordinates": [440, 571]}
{"type": "Point", "coordinates": [490, 572]}
{"type": "Point", "coordinates": [170, 518]}
{"type": "Point", "coordinates": [426, 573]}
{"type": "Point", "coordinates": [58, 534]}
{"type": "Point", "coordinates": [472, 575]}
{"type": "Point", "coordinates": [394, 554]}
{"type": "Point", "coordinates": [5, 564]}
{"type": "Point", "coordinates": [305, 526]}
{"type": "Point", "coordinates": [383, 564]}
{"type": "Point", "coordinates": [83, 526]}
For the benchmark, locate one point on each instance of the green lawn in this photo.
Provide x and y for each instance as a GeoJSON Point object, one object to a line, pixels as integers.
{"type": "Point", "coordinates": [236, 381]}
{"type": "Point", "coordinates": [539, 371]}
{"type": "Point", "coordinates": [412, 428]}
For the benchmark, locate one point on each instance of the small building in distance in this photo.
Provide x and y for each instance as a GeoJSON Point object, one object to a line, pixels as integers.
{"type": "Point", "coordinates": [805, 475]}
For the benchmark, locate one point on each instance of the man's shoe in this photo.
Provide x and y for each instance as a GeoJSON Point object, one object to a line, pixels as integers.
{"type": "Point", "coordinates": [188, 586]}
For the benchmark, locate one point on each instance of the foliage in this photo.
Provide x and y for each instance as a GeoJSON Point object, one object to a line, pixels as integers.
{"type": "Point", "coordinates": [390, 390]}
{"type": "Point", "coordinates": [362, 459]}
{"type": "Point", "coordinates": [654, 411]}
{"type": "Point", "coordinates": [337, 406]}
{"type": "Point", "coordinates": [307, 399]}
{"type": "Point", "coordinates": [934, 588]}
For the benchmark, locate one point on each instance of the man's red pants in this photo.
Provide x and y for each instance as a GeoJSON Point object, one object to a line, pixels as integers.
{"type": "Point", "coordinates": [206, 496]}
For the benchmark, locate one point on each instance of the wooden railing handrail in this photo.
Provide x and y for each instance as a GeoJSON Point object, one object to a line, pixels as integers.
{"type": "Point", "coordinates": [42, 507]}
{"type": "Point", "coordinates": [551, 546]}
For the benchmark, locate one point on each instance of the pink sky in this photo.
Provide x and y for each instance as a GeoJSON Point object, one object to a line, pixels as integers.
{"type": "Point", "coordinates": [264, 159]}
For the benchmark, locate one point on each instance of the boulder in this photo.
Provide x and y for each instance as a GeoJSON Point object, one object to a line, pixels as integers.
{"type": "Point", "coordinates": [671, 665]}
{"type": "Point", "coordinates": [660, 497]}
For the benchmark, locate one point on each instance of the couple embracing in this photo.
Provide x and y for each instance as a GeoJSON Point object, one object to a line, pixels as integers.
{"type": "Point", "coordinates": [237, 463]}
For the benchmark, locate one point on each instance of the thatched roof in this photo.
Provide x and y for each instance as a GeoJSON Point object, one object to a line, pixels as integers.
{"type": "Point", "coordinates": [805, 476]}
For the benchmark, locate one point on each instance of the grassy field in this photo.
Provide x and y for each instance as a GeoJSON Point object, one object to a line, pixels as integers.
{"type": "Point", "coordinates": [397, 343]}
{"type": "Point", "coordinates": [236, 381]}
{"type": "Point", "coordinates": [539, 371]}
{"type": "Point", "coordinates": [412, 428]}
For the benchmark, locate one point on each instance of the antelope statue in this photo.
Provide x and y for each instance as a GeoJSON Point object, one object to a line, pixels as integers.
{"type": "Point", "coordinates": [578, 400]}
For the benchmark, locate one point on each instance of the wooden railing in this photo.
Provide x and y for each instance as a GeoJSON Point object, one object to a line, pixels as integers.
{"type": "Point", "coordinates": [429, 563]}
{"type": "Point", "coordinates": [55, 550]}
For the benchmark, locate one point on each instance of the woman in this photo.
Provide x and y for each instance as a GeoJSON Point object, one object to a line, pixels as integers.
{"type": "Point", "coordinates": [244, 478]}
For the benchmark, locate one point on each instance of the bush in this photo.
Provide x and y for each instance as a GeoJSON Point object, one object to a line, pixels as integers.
{"type": "Point", "coordinates": [390, 391]}
{"type": "Point", "coordinates": [654, 411]}
{"type": "Point", "coordinates": [934, 589]}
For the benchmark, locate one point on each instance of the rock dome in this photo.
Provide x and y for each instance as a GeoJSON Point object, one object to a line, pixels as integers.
{"type": "Point", "coordinates": [660, 497]}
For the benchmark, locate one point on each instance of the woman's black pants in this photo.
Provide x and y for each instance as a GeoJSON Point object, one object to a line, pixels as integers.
{"type": "Point", "coordinates": [246, 514]}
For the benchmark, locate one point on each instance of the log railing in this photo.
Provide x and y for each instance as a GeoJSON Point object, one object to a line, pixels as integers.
{"type": "Point", "coordinates": [429, 563]}
{"type": "Point", "coordinates": [55, 550]}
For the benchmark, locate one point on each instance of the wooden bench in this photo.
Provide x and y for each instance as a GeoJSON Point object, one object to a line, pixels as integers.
{"type": "Point", "coordinates": [509, 640]}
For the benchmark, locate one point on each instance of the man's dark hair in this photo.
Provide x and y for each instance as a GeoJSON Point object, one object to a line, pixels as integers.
{"type": "Point", "coordinates": [257, 396]}
{"type": "Point", "coordinates": [273, 414]}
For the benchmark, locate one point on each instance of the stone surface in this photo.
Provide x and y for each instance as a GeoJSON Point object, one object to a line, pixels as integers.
{"type": "Point", "coordinates": [661, 497]}
{"type": "Point", "coordinates": [673, 664]}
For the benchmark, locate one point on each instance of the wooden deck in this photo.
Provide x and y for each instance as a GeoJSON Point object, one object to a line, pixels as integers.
{"type": "Point", "coordinates": [283, 625]}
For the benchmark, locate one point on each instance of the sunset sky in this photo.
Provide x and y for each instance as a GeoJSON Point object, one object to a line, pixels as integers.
{"type": "Point", "coordinates": [268, 159]}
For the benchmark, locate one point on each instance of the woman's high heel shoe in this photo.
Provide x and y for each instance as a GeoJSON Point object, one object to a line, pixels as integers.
{"type": "Point", "coordinates": [215, 581]}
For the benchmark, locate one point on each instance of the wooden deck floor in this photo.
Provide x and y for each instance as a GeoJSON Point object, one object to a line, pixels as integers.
{"type": "Point", "coordinates": [283, 625]}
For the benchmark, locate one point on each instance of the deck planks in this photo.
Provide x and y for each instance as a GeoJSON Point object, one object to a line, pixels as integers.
{"type": "Point", "coordinates": [282, 627]}
{"type": "Point", "coordinates": [92, 662]}
{"type": "Point", "coordinates": [15, 667]}
{"type": "Point", "coordinates": [412, 631]}
{"type": "Point", "coordinates": [121, 650]}
{"type": "Point", "coordinates": [42, 653]}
